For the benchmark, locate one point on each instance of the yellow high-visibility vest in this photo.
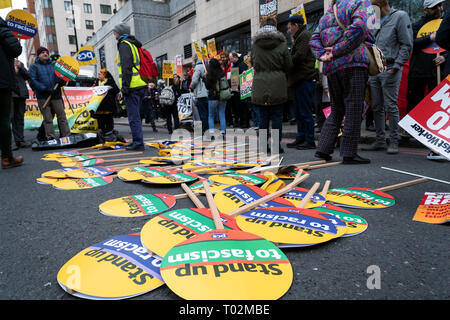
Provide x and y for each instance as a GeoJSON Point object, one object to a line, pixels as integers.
{"type": "Point", "coordinates": [136, 80]}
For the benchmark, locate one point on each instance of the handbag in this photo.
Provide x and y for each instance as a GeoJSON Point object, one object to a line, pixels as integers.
{"type": "Point", "coordinates": [376, 57]}
{"type": "Point", "coordinates": [224, 89]}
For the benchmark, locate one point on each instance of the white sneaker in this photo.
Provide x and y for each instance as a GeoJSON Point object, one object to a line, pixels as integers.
{"type": "Point", "coordinates": [435, 156]}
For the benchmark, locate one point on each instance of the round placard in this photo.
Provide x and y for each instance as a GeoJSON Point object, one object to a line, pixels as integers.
{"type": "Point", "coordinates": [79, 158]}
{"type": "Point", "coordinates": [141, 205]}
{"type": "Point", "coordinates": [81, 184]}
{"type": "Point", "coordinates": [67, 68]}
{"type": "Point", "coordinates": [238, 178]}
{"type": "Point", "coordinates": [86, 163]}
{"type": "Point", "coordinates": [354, 224]}
{"type": "Point", "coordinates": [22, 24]}
{"type": "Point", "coordinates": [288, 225]}
{"type": "Point", "coordinates": [360, 198]}
{"type": "Point", "coordinates": [227, 265]}
{"type": "Point", "coordinates": [173, 178]}
{"type": "Point", "coordinates": [297, 194]}
{"type": "Point", "coordinates": [234, 197]}
{"type": "Point", "coordinates": [427, 29]}
{"type": "Point", "coordinates": [168, 229]}
{"type": "Point", "coordinates": [90, 172]}
{"type": "Point", "coordinates": [213, 186]}
{"type": "Point", "coordinates": [117, 268]}
{"type": "Point", "coordinates": [58, 173]}
{"type": "Point", "coordinates": [139, 173]}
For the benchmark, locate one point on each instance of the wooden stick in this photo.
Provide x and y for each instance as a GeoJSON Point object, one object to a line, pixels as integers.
{"type": "Point", "coordinates": [403, 184]}
{"type": "Point", "coordinates": [309, 195]}
{"type": "Point", "coordinates": [325, 165]}
{"type": "Point", "coordinates": [212, 169]}
{"type": "Point", "coordinates": [49, 97]}
{"type": "Point", "coordinates": [192, 196]}
{"type": "Point", "coordinates": [325, 188]}
{"type": "Point", "coordinates": [212, 206]}
{"type": "Point", "coordinates": [298, 179]}
{"type": "Point", "coordinates": [301, 164]}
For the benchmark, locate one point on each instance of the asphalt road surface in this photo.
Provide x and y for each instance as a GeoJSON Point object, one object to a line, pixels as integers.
{"type": "Point", "coordinates": [42, 228]}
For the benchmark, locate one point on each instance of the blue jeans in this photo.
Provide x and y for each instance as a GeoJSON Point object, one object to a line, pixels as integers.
{"type": "Point", "coordinates": [133, 103]}
{"type": "Point", "coordinates": [303, 106]}
{"type": "Point", "coordinates": [202, 106]}
{"type": "Point", "coordinates": [212, 106]}
{"type": "Point", "coordinates": [274, 113]}
{"type": "Point", "coordinates": [255, 115]}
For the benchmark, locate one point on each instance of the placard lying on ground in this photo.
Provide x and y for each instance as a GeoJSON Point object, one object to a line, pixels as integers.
{"type": "Point", "coordinates": [434, 208]}
{"type": "Point", "coordinates": [429, 121]}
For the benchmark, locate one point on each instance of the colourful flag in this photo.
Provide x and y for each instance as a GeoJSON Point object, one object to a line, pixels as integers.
{"type": "Point", "coordinates": [5, 4]}
{"type": "Point", "coordinates": [86, 56]}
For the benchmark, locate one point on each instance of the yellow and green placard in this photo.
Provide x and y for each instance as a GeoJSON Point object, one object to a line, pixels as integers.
{"type": "Point", "coordinates": [82, 184]}
{"type": "Point", "coordinates": [213, 186]}
{"type": "Point", "coordinates": [227, 265]}
{"type": "Point", "coordinates": [172, 178]}
{"type": "Point", "coordinates": [90, 172]}
{"type": "Point", "coordinates": [22, 24]}
{"type": "Point", "coordinates": [362, 198]}
{"type": "Point", "coordinates": [116, 268]}
{"type": "Point", "coordinates": [168, 229]}
{"type": "Point", "coordinates": [67, 68]}
{"type": "Point", "coordinates": [57, 173]}
{"type": "Point", "coordinates": [140, 205]}
{"type": "Point", "coordinates": [139, 172]}
{"type": "Point", "coordinates": [238, 178]}
{"type": "Point", "coordinates": [355, 224]}
{"type": "Point", "coordinates": [297, 194]}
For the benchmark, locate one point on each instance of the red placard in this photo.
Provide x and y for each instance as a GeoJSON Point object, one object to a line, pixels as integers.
{"type": "Point", "coordinates": [429, 121]}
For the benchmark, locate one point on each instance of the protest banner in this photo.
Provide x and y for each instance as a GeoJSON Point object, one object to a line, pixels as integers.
{"type": "Point", "coordinates": [86, 56]}
{"type": "Point", "coordinates": [234, 79]}
{"type": "Point", "coordinates": [82, 103]}
{"type": "Point", "coordinates": [212, 49]}
{"type": "Point", "coordinates": [246, 82]}
{"type": "Point", "coordinates": [429, 121]}
{"type": "Point", "coordinates": [434, 208]}
{"type": "Point", "coordinates": [184, 105]}
{"type": "Point", "coordinates": [22, 24]}
{"type": "Point", "coordinates": [267, 8]}
{"type": "Point", "coordinates": [179, 64]}
{"type": "Point", "coordinates": [167, 70]}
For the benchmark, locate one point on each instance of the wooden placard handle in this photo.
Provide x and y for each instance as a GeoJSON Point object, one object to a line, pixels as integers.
{"type": "Point", "coordinates": [212, 206]}
{"type": "Point", "coordinates": [192, 196]}
{"type": "Point", "coordinates": [326, 186]}
{"type": "Point", "coordinates": [298, 179]}
{"type": "Point", "coordinates": [309, 195]}
{"type": "Point", "coordinates": [325, 165]}
{"type": "Point", "coordinates": [403, 184]}
{"type": "Point", "coordinates": [49, 97]}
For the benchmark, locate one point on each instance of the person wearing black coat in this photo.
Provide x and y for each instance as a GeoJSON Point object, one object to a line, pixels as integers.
{"type": "Point", "coordinates": [107, 108]}
{"type": "Point", "coordinates": [19, 97]}
{"type": "Point", "coordinates": [443, 38]}
{"type": "Point", "coordinates": [10, 48]}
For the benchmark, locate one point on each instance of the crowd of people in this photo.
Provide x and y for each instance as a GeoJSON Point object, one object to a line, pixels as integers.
{"type": "Point", "coordinates": [324, 69]}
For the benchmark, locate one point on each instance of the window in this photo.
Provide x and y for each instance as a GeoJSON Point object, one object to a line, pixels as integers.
{"type": "Point", "coordinates": [159, 63]}
{"type": "Point", "coordinates": [72, 39]}
{"type": "Point", "coordinates": [105, 9]}
{"type": "Point", "coordinates": [69, 22]}
{"type": "Point", "coordinates": [49, 21]}
{"type": "Point", "coordinates": [51, 38]}
{"type": "Point", "coordinates": [187, 51]}
{"type": "Point", "coordinates": [102, 57]}
{"type": "Point", "coordinates": [104, 22]}
{"type": "Point", "coordinates": [88, 38]}
{"type": "Point", "coordinates": [87, 8]}
{"type": "Point", "coordinates": [47, 4]}
{"type": "Point", "coordinates": [89, 24]}
{"type": "Point", "coordinates": [67, 6]}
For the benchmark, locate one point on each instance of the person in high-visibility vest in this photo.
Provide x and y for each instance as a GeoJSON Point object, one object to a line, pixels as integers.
{"type": "Point", "coordinates": [132, 87]}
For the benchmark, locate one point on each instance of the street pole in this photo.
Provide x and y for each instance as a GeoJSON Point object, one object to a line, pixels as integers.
{"type": "Point", "coordinates": [74, 27]}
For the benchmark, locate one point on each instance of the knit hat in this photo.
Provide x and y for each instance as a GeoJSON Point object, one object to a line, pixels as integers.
{"type": "Point", "coordinates": [122, 28]}
{"type": "Point", "coordinates": [40, 50]}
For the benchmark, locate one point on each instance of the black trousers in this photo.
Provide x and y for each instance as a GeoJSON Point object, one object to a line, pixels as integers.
{"type": "Point", "coordinates": [5, 123]}
{"type": "Point", "coordinates": [172, 111]}
{"type": "Point", "coordinates": [416, 90]}
{"type": "Point", "coordinates": [17, 119]}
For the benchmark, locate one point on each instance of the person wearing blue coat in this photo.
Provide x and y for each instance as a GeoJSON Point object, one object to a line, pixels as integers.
{"type": "Point", "coordinates": [45, 83]}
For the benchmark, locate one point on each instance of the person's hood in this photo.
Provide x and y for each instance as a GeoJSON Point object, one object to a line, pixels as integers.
{"type": "Point", "coordinates": [268, 39]}
{"type": "Point", "coordinates": [131, 39]}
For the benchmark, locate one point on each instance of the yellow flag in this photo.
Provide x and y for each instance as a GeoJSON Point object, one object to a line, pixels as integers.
{"type": "Point", "coordinates": [5, 4]}
{"type": "Point", "coordinates": [300, 10]}
{"type": "Point", "coordinates": [86, 56]}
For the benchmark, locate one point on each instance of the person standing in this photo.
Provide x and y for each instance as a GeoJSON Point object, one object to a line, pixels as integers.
{"type": "Point", "coordinates": [10, 48]}
{"type": "Point", "coordinates": [200, 93]}
{"type": "Point", "coordinates": [45, 84]}
{"type": "Point", "coordinates": [172, 109]}
{"type": "Point", "coordinates": [272, 61]}
{"type": "Point", "coordinates": [395, 40]}
{"type": "Point", "coordinates": [443, 38]}
{"type": "Point", "coordinates": [242, 109]}
{"type": "Point", "coordinates": [19, 97]}
{"type": "Point", "coordinates": [148, 112]}
{"type": "Point", "coordinates": [346, 65]}
{"type": "Point", "coordinates": [213, 79]}
{"type": "Point", "coordinates": [301, 80]}
{"type": "Point", "coordinates": [131, 85]}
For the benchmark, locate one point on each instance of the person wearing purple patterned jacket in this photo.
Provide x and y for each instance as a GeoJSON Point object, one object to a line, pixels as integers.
{"type": "Point", "coordinates": [346, 64]}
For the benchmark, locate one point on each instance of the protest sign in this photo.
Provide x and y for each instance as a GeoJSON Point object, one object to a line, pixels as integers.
{"type": "Point", "coordinates": [234, 79]}
{"type": "Point", "coordinates": [179, 65]}
{"type": "Point", "coordinates": [83, 102]}
{"type": "Point", "coordinates": [434, 208]}
{"type": "Point", "coordinates": [246, 82]}
{"type": "Point", "coordinates": [184, 105]}
{"type": "Point", "coordinates": [167, 70]}
{"type": "Point", "coordinates": [267, 8]}
{"type": "Point", "coordinates": [429, 121]}
{"type": "Point", "coordinates": [22, 24]}
{"type": "Point", "coordinates": [300, 10]}
{"type": "Point", "coordinates": [116, 268]}
{"type": "Point", "coordinates": [212, 50]}
{"type": "Point", "coordinates": [362, 198]}
{"type": "Point", "coordinates": [86, 56]}
{"type": "Point", "coordinates": [140, 205]}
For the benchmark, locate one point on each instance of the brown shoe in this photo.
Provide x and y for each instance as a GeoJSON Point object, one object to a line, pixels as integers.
{"type": "Point", "coordinates": [11, 162]}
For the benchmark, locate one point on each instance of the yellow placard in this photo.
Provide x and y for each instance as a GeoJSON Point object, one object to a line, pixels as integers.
{"type": "Point", "coordinates": [198, 51]}
{"type": "Point", "coordinates": [167, 70]}
{"type": "Point", "coordinates": [81, 184]}
{"type": "Point", "coordinates": [116, 268]}
{"type": "Point", "coordinates": [232, 179]}
{"type": "Point", "coordinates": [22, 24]}
{"type": "Point", "coordinates": [429, 28]}
{"type": "Point", "coordinates": [140, 205]}
{"type": "Point", "coordinates": [212, 50]}
{"type": "Point", "coordinates": [300, 10]}
{"type": "Point", "coordinates": [86, 56]}
{"type": "Point", "coordinates": [227, 265]}
{"type": "Point", "coordinates": [364, 198]}
{"type": "Point", "coordinates": [434, 208]}
{"type": "Point", "coordinates": [5, 4]}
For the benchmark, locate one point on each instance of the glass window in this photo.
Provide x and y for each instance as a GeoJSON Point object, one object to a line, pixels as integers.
{"type": "Point", "coordinates": [49, 21]}
{"type": "Point", "coordinates": [102, 57]}
{"type": "Point", "coordinates": [89, 24]}
{"type": "Point", "coordinates": [72, 39]}
{"type": "Point", "coordinates": [87, 8]}
{"type": "Point", "coordinates": [47, 4]}
{"type": "Point", "coordinates": [68, 6]}
{"type": "Point", "coordinates": [69, 22]}
{"type": "Point", "coordinates": [51, 38]}
{"type": "Point", "coordinates": [159, 63]}
{"type": "Point", "coordinates": [105, 9]}
{"type": "Point", "coordinates": [104, 22]}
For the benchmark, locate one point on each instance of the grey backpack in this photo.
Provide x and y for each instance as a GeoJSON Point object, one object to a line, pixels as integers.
{"type": "Point", "coordinates": [167, 96]}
